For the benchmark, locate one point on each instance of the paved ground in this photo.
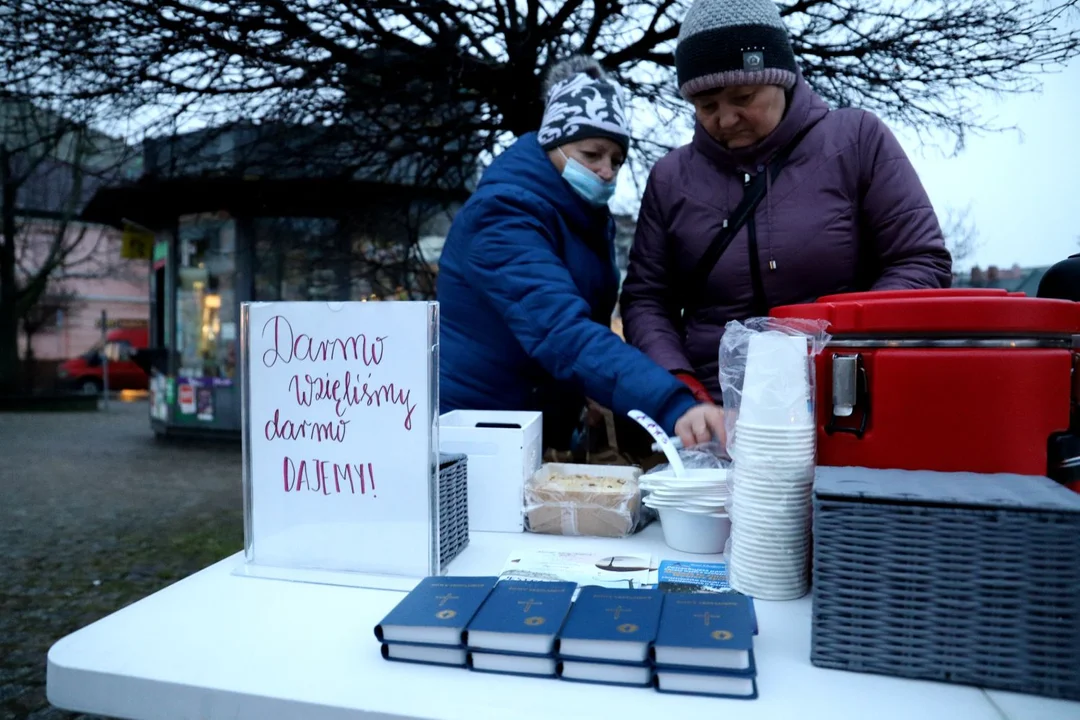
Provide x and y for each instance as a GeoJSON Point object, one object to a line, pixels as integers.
{"type": "Point", "coordinates": [95, 514]}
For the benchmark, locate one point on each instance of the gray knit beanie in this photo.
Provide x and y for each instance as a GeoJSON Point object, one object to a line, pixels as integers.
{"type": "Point", "coordinates": [733, 42]}
{"type": "Point", "coordinates": [581, 102]}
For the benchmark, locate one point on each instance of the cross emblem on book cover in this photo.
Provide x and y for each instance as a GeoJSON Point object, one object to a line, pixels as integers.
{"type": "Point", "coordinates": [715, 634]}
{"type": "Point", "coordinates": [618, 610]}
{"type": "Point", "coordinates": [529, 604]}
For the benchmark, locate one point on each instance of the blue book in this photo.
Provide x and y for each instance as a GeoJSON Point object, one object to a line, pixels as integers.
{"type": "Point", "coordinates": [615, 626]}
{"type": "Point", "coordinates": [424, 654]}
{"type": "Point", "coordinates": [521, 617]}
{"type": "Point", "coordinates": [512, 664]}
{"type": "Point", "coordinates": [710, 633]}
{"type": "Point", "coordinates": [681, 682]}
{"type": "Point", "coordinates": [606, 673]}
{"type": "Point", "coordinates": [679, 576]}
{"type": "Point", "coordinates": [436, 612]}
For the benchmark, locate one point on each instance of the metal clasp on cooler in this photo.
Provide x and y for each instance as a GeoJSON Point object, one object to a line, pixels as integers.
{"type": "Point", "coordinates": [850, 394]}
{"type": "Point", "coordinates": [844, 370]}
{"type": "Point", "coordinates": [1075, 381]}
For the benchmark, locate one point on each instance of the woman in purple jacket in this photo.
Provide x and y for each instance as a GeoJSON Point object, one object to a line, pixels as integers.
{"type": "Point", "coordinates": [846, 212]}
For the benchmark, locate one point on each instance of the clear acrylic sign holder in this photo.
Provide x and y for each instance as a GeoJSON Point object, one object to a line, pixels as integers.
{"type": "Point", "coordinates": [340, 442]}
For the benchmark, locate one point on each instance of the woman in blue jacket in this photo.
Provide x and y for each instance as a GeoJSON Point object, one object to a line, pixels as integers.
{"type": "Point", "coordinates": [528, 281]}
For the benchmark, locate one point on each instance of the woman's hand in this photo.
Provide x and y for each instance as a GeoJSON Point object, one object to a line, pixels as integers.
{"type": "Point", "coordinates": [701, 424]}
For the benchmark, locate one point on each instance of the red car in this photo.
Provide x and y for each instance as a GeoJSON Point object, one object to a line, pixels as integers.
{"type": "Point", "coordinates": [85, 373]}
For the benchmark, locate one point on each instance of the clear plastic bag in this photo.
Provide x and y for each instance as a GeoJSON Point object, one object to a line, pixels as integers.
{"type": "Point", "coordinates": [584, 500]}
{"type": "Point", "coordinates": [700, 457]}
{"type": "Point", "coordinates": [735, 347]}
{"type": "Point", "coordinates": [768, 382]}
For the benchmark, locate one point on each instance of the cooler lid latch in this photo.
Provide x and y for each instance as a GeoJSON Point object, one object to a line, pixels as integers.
{"type": "Point", "coordinates": [850, 393]}
{"type": "Point", "coordinates": [844, 370]}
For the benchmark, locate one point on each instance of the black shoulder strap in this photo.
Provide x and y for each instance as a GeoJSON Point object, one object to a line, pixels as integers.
{"type": "Point", "coordinates": [753, 194]}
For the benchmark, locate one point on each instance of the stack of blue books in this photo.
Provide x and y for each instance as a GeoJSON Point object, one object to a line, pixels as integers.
{"type": "Point", "coordinates": [691, 643]}
{"type": "Point", "coordinates": [428, 625]}
{"type": "Point", "coordinates": [705, 645]}
{"type": "Point", "coordinates": [515, 630]}
{"type": "Point", "coordinates": [608, 636]}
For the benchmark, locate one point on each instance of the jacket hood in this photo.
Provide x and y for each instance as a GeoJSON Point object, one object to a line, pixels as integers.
{"type": "Point", "coordinates": [526, 165]}
{"type": "Point", "coordinates": [804, 108]}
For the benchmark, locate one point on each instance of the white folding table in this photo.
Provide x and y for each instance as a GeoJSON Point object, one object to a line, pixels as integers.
{"type": "Point", "coordinates": [218, 645]}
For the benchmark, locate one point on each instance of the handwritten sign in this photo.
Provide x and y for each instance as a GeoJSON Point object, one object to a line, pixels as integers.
{"type": "Point", "coordinates": [339, 433]}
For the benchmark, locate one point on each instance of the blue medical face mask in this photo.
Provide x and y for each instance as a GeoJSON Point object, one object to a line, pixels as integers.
{"type": "Point", "coordinates": [586, 183]}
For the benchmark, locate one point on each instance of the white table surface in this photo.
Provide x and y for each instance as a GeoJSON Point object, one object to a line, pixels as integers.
{"type": "Point", "coordinates": [217, 645]}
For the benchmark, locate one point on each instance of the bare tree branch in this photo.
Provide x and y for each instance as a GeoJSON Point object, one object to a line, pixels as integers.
{"type": "Point", "coordinates": [182, 62]}
{"type": "Point", "coordinates": [961, 235]}
{"type": "Point", "coordinates": [416, 92]}
{"type": "Point", "coordinates": [49, 165]}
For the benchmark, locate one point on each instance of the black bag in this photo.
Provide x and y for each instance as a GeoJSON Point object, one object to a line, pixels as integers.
{"type": "Point", "coordinates": [754, 192]}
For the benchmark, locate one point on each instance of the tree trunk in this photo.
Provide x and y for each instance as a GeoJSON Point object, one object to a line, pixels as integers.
{"type": "Point", "coordinates": [29, 361]}
{"type": "Point", "coordinates": [9, 317]}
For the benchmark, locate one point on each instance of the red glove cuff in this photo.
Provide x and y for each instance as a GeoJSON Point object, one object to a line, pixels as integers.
{"type": "Point", "coordinates": [700, 393]}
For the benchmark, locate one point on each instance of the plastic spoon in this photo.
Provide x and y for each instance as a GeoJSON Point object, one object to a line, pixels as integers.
{"type": "Point", "coordinates": [661, 438]}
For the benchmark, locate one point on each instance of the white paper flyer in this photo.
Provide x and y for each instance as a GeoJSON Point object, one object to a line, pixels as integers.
{"type": "Point", "coordinates": [604, 569]}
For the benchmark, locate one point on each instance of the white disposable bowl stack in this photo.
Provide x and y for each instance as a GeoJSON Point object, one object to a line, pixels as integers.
{"type": "Point", "coordinates": [773, 450]}
{"type": "Point", "coordinates": [692, 508]}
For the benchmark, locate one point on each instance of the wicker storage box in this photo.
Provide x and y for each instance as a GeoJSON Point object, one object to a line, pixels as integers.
{"type": "Point", "coordinates": [958, 577]}
{"type": "Point", "coordinates": [453, 506]}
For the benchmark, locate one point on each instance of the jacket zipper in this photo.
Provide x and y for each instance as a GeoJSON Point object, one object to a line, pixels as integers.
{"type": "Point", "coordinates": [760, 309]}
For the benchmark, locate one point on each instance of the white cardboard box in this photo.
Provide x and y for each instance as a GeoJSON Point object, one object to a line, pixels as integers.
{"type": "Point", "coordinates": [501, 459]}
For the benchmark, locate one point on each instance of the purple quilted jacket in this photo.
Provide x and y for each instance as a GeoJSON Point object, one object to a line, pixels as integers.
{"type": "Point", "coordinates": [846, 213]}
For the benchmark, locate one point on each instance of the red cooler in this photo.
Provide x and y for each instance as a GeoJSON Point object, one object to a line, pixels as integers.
{"type": "Point", "coordinates": [948, 380]}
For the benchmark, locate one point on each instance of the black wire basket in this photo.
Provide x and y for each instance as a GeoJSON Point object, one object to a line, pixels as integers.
{"type": "Point", "coordinates": [453, 506]}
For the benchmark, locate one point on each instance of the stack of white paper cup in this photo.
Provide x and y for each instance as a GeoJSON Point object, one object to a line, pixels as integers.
{"type": "Point", "coordinates": [774, 453]}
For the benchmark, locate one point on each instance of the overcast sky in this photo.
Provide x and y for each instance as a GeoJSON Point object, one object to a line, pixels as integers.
{"type": "Point", "coordinates": [1023, 191]}
{"type": "Point", "coordinates": [1022, 188]}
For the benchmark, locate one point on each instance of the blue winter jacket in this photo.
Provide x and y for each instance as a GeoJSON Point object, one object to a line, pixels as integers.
{"type": "Point", "coordinates": [527, 285]}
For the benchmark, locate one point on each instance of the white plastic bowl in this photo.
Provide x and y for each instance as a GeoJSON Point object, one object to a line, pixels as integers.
{"type": "Point", "coordinates": [688, 507]}
{"type": "Point", "coordinates": [696, 489]}
{"type": "Point", "coordinates": [690, 476]}
{"type": "Point", "coordinates": [694, 532]}
{"type": "Point", "coordinates": [718, 494]}
{"type": "Point", "coordinates": [717, 504]}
